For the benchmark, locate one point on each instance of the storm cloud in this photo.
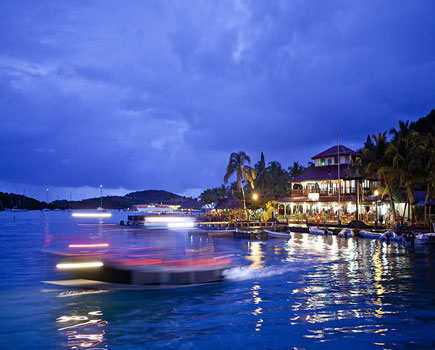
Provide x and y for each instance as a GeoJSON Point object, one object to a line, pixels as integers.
{"type": "Point", "coordinates": [157, 94]}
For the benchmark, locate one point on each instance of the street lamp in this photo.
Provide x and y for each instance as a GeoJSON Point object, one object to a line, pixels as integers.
{"type": "Point", "coordinates": [254, 196]}
{"type": "Point", "coordinates": [376, 194]}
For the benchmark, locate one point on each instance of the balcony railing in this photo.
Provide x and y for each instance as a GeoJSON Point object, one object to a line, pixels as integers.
{"type": "Point", "coordinates": [331, 192]}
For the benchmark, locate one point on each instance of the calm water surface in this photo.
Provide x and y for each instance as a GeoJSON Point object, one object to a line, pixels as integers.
{"type": "Point", "coordinates": [308, 292]}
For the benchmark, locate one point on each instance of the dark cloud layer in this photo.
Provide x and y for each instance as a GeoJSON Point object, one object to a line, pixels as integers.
{"type": "Point", "coordinates": [156, 94]}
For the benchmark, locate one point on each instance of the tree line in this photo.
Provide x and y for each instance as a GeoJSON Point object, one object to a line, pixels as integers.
{"type": "Point", "coordinates": [403, 164]}
{"type": "Point", "coordinates": [269, 181]}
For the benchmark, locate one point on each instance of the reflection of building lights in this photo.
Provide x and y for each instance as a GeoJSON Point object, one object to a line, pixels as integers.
{"type": "Point", "coordinates": [91, 215]}
{"type": "Point", "coordinates": [256, 255]}
{"type": "Point", "coordinates": [100, 245]}
{"type": "Point", "coordinates": [87, 333]}
{"type": "Point", "coordinates": [79, 265]}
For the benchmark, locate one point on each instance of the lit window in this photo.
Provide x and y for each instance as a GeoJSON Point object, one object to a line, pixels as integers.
{"type": "Point", "coordinates": [322, 161]}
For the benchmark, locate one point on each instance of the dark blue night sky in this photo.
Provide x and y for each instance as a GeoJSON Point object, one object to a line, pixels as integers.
{"type": "Point", "coordinates": [156, 94]}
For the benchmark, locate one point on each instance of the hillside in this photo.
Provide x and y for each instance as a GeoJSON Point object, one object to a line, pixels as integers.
{"type": "Point", "coordinates": [11, 200]}
{"type": "Point", "coordinates": [155, 196]}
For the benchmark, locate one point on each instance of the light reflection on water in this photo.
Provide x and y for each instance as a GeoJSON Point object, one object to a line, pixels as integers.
{"type": "Point", "coordinates": [83, 331]}
{"type": "Point", "coordinates": [305, 292]}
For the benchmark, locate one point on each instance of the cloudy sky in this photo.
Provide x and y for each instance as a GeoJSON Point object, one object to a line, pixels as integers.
{"type": "Point", "coordinates": [156, 94]}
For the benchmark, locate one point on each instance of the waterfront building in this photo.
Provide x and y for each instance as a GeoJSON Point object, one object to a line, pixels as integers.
{"type": "Point", "coordinates": [331, 185]}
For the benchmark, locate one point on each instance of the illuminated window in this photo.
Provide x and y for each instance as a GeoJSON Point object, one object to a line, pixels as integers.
{"type": "Point", "coordinates": [322, 161]}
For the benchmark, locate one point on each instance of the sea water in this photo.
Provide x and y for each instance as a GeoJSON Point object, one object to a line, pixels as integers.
{"type": "Point", "coordinates": [307, 292]}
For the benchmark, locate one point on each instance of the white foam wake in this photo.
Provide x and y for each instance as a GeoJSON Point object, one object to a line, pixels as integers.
{"type": "Point", "coordinates": [74, 293]}
{"type": "Point", "coordinates": [247, 273]}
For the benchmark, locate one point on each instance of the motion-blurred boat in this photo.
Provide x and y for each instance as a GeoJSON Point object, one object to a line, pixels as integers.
{"type": "Point", "coordinates": [162, 220]}
{"type": "Point", "coordinates": [95, 270]}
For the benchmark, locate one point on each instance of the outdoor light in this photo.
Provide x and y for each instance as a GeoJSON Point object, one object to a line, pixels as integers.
{"type": "Point", "coordinates": [255, 196]}
{"type": "Point", "coordinates": [376, 194]}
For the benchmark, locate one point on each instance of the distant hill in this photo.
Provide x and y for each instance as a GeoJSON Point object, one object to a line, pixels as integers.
{"type": "Point", "coordinates": [11, 200]}
{"type": "Point", "coordinates": [155, 196]}
{"type": "Point", "coordinates": [109, 202]}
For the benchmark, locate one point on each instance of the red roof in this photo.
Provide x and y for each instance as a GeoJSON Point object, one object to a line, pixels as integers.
{"type": "Point", "coordinates": [333, 151]}
{"type": "Point", "coordinates": [329, 172]}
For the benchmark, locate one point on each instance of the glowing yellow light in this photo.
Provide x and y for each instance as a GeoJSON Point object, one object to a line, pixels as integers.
{"type": "Point", "coordinates": [92, 215]}
{"type": "Point", "coordinates": [79, 265]}
{"type": "Point", "coordinates": [255, 196]}
{"type": "Point", "coordinates": [376, 192]}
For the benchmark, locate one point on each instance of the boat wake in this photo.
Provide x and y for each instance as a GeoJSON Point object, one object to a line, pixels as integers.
{"type": "Point", "coordinates": [247, 273]}
{"type": "Point", "coordinates": [75, 293]}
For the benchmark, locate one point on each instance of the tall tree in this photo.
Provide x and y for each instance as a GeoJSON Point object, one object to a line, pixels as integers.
{"type": "Point", "coordinates": [375, 162]}
{"type": "Point", "coordinates": [403, 131]}
{"type": "Point", "coordinates": [405, 153]}
{"type": "Point", "coordinates": [238, 164]}
{"type": "Point", "coordinates": [214, 194]}
{"type": "Point", "coordinates": [428, 174]}
{"type": "Point", "coordinates": [278, 181]}
{"type": "Point", "coordinates": [295, 170]}
{"type": "Point", "coordinates": [261, 179]}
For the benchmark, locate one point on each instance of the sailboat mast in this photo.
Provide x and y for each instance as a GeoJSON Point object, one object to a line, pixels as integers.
{"type": "Point", "coordinates": [101, 202]}
{"type": "Point", "coordinates": [338, 176]}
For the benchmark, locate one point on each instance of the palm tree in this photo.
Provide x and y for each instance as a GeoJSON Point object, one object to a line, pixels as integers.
{"type": "Point", "coordinates": [406, 164]}
{"type": "Point", "coordinates": [245, 174]}
{"type": "Point", "coordinates": [375, 161]}
{"type": "Point", "coordinates": [428, 173]}
{"type": "Point", "coordinates": [261, 178]}
{"type": "Point", "coordinates": [296, 170]}
{"type": "Point", "coordinates": [403, 131]}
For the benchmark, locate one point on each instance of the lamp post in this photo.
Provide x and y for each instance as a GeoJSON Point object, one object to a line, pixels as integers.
{"type": "Point", "coordinates": [376, 194]}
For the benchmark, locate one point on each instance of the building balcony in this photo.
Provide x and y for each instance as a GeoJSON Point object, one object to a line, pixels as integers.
{"type": "Point", "coordinates": [330, 192]}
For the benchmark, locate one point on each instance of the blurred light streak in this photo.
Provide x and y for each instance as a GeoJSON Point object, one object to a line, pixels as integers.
{"type": "Point", "coordinates": [92, 215]}
{"type": "Point", "coordinates": [100, 245]}
{"type": "Point", "coordinates": [79, 265]}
